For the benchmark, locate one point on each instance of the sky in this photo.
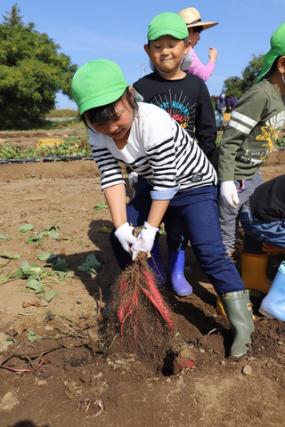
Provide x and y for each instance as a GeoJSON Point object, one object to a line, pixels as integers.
{"type": "Point", "coordinates": [116, 30]}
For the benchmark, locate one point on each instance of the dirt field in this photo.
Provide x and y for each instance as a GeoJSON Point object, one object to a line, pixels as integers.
{"type": "Point", "coordinates": [54, 370]}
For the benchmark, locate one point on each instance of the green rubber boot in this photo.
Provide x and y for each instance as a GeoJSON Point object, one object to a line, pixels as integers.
{"type": "Point", "coordinates": [238, 309]}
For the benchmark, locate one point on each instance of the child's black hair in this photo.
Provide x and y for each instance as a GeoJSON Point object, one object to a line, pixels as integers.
{"type": "Point", "coordinates": [107, 112]}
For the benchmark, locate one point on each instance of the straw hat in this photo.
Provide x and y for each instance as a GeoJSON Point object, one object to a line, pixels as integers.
{"type": "Point", "coordinates": [193, 18]}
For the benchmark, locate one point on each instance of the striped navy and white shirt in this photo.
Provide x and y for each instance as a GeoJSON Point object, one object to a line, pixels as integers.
{"type": "Point", "coordinates": [157, 149]}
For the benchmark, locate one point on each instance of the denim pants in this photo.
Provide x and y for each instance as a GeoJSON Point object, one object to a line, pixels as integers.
{"type": "Point", "coordinates": [272, 232]}
{"type": "Point", "coordinates": [195, 211]}
{"type": "Point", "coordinates": [229, 216]}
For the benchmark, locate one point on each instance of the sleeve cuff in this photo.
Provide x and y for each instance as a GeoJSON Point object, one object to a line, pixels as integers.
{"type": "Point", "coordinates": [111, 184]}
{"type": "Point", "coordinates": [164, 194]}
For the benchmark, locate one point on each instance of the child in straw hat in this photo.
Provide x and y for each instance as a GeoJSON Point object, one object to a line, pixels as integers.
{"type": "Point", "coordinates": [254, 126]}
{"type": "Point", "coordinates": [183, 181]}
{"type": "Point", "coordinates": [195, 26]}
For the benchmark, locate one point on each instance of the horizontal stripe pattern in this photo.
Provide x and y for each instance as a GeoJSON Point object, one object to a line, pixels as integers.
{"type": "Point", "coordinates": [241, 122]}
{"type": "Point", "coordinates": [174, 163]}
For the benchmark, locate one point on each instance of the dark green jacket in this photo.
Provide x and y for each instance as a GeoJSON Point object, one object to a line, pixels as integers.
{"type": "Point", "coordinates": [254, 126]}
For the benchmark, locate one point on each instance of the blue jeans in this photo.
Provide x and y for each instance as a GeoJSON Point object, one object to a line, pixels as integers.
{"type": "Point", "coordinates": [196, 212]}
{"type": "Point", "coordinates": [272, 232]}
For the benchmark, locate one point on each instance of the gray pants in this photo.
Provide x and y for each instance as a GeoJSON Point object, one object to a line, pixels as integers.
{"type": "Point", "coordinates": [229, 217]}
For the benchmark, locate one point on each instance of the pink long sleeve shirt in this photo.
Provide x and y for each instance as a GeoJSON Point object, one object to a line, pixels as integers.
{"type": "Point", "coordinates": [204, 71]}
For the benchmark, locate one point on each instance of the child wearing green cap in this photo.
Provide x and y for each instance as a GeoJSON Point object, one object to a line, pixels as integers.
{"type": "Point", "coordinates": [186, 99]}
{"type": "Point", "coordinates": [249, 137]}
{"type": "Point", "coordinates": [146, 139]}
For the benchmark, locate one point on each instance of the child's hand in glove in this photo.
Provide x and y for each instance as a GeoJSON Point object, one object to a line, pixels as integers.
{"type": "Point", "coordinates": [125, 236]}
{"type": "Point", "coordinates": [229, 194]}
{"type": "Point", "coordinates": [145, 240]}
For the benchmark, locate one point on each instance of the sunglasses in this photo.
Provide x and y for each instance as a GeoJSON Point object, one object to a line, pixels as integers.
{"type": "Point", "coordinates": [197, 29]}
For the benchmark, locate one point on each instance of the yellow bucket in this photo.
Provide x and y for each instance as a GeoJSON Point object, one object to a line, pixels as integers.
{"type": "Point", "coordinates": [253, 271]}
{"type": "Point", "coordinates": [49, 142]}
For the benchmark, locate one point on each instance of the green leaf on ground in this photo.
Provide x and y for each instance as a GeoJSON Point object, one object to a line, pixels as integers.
{"type": "Point", "coordinates": [53, 234]}
{"type": "Point", "coordinates": [91, 265]}
{"type": "Point", "coordinates": [59, 264]}
{"type": "Point", "coordinates": [49, 295]}
{"type": "Point", "coordinates": [26, 227]}
{"type": "Point", "coordinates": [30, 270]}
{"type": "Point", "coordinates": [101, 205]}
{"type": "Point", "coordinates": [3, 236]}
{"type": "Point", "coordinates": [4, 278]}
{"type": "Point", "coordinates": [35, 284]}
{"type": "Point", "coordinates": [8, 255]}
{"type": "Point", "coordinates": [35, 238]}
{"type": "Point", "coordinates": [33, 336]}
{"type": "Point", "coordinates": [45, 256]}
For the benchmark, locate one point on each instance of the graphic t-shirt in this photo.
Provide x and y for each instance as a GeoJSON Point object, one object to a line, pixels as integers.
{"type": "Point", "coordinates": [187, 101]}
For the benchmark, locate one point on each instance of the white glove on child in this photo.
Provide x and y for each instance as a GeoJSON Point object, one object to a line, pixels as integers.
{"type": "Point", "coordinates": [145, 240]}
{"type": "Point", "coordinates": [229, 194]}
{"type": "Point", "coordinates": [125, 236]}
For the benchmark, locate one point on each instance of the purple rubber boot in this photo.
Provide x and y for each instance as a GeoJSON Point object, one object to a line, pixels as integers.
{"type": "Point", "coordinates": [156, 265]}
{"type": "Point", "coordinates": [178, 280]}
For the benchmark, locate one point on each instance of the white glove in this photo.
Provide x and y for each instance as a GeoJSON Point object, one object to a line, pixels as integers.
{"type": "Point", "coordinates": [125, 236]}
{"type": "Point", "coordinates": [145, 240]}
{"type": "Point", "coordinates": [229, 194]}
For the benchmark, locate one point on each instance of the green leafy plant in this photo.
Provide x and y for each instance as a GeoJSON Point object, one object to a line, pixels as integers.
{"type": "Point", "coordinates": [91, 265]}
{"type": "Point", "coordinates": [72, 146]}
{"type": "Point", "coordinates": [45, 256]}
{"type": "Point", "coordinates": [26, 227]}
{"type": "Point", "coordinates": [9, 255]}
{"type": "Point", "coordinates": [32, 336]}
{"type": "Point", "coordinates": [52, 232]}
{"type": "Point", "coordinates": [101, 205]}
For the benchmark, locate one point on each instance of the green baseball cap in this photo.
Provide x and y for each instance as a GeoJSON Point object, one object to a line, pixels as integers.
{"type": "Point", "coordinates": [277, 43]}
{"type": "Point", "coordinates": [167, 24]}
{"type": "Point", "coordinates": [97, 83]}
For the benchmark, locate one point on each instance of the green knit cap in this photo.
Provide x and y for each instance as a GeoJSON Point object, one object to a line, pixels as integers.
{"type": "Point", "coordinates": [167, 24]}
{"type": "Point", "coordinates": [97, 83]}
{"type": "Point", "coordinates": [277, 43]}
